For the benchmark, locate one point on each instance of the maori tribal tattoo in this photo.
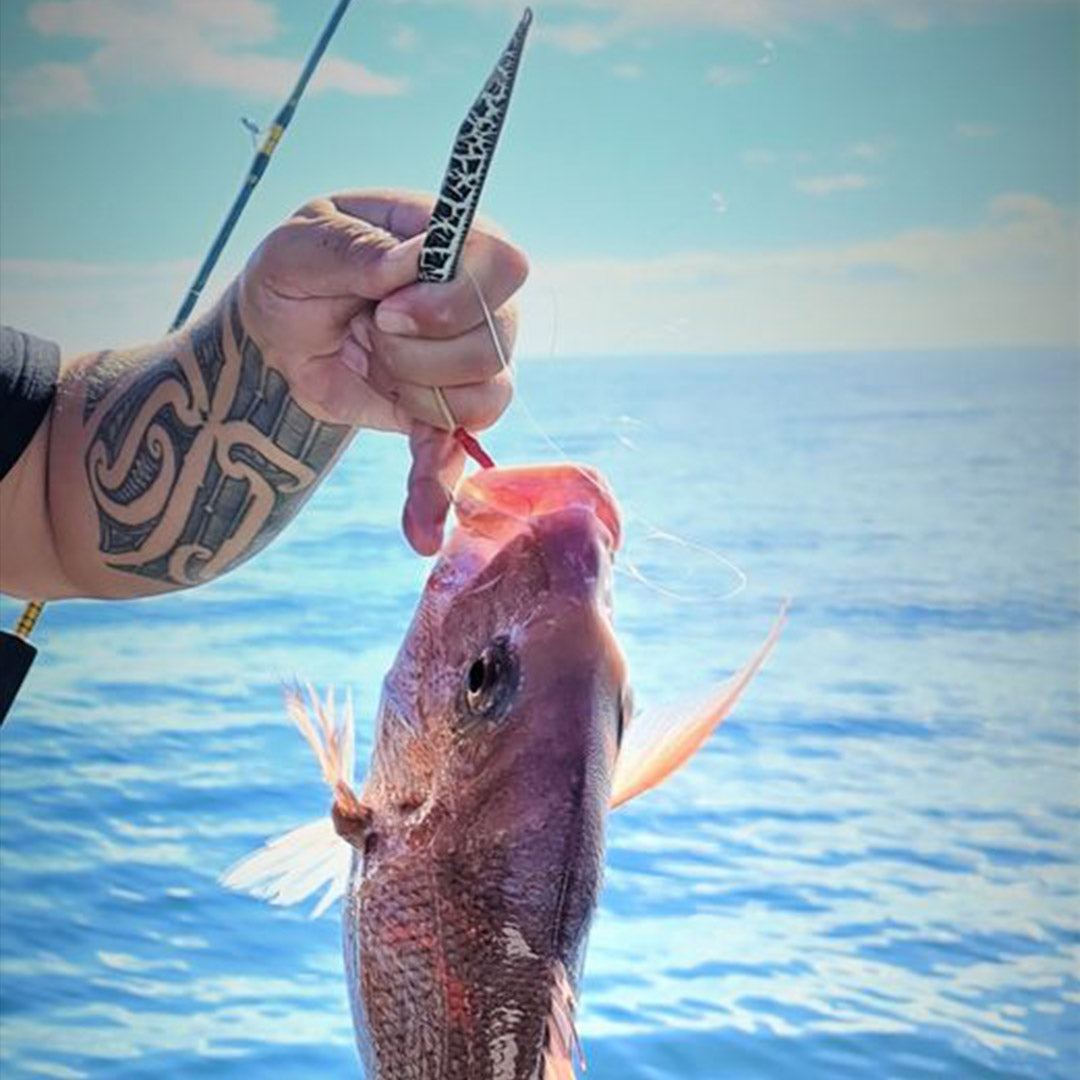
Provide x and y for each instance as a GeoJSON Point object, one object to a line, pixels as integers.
{"type": "Point", "coordinates": [213, 420]}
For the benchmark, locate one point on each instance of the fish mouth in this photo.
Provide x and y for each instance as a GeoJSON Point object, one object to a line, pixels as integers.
{"type": "Point", "coordinates": [496, 505]}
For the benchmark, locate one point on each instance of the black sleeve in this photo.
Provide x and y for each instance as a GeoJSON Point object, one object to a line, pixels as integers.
{"type": "Point", "coordinates": [29, 370]}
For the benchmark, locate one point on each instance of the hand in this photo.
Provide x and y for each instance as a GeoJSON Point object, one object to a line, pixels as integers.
{"type": "Point", "coordinates": [332, 299]}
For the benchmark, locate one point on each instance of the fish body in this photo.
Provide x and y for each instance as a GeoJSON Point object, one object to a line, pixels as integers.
{"type": "Point", "coordinates": [467, 909]}
{"type": "Point", "coordinates": [471, 859]}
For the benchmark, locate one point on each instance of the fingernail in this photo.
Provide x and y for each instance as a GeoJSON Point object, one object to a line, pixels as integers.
{"type": "Point", "coordinates": [361, 331]}
{"type": "Point", "coordinates": [421, 537]}
{"type": "Point", "coordinates": [356, 360]}
{"type": "Point", "coordinates": [391, 321]}
{"type": "Point", "coordinates": [355, 356]}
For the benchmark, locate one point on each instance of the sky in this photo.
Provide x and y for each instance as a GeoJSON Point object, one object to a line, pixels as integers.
{"type": "Point", "coordinates": [693, 176]}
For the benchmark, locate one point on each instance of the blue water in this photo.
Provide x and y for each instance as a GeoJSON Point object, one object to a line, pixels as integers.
{"type": "Point", "coordinates": [872, 871]}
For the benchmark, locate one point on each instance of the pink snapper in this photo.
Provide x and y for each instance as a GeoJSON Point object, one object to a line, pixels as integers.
{"type": "Point", "coordinates": [471, 859]}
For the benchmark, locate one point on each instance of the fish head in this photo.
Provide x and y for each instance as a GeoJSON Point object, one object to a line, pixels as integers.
{"type": "Point", "coordinates": [491, 775]}
{"type": "Point", "coordinates": [510, 681]}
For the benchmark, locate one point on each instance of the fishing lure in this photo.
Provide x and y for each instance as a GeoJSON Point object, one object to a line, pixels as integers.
{"type": "Point", "coordinates": [459, 196]}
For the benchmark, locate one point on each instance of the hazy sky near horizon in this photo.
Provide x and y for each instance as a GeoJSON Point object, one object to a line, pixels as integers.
{"type": "Point", "coordinates": [686, 175]}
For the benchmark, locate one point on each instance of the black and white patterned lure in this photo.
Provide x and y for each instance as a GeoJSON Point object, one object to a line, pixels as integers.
{"type": "Point", "coordinates": [474, 148]}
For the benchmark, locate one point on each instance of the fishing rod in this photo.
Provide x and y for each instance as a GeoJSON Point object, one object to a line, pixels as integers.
{"type": "Point", "coordinates": [258, 165]}
{"type": "Point", "coordinates": [16, 651]}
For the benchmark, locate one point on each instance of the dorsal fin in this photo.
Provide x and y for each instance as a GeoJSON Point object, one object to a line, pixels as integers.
{"type": "Point", "coordinates": [658, 743]}
{"type": "Point", "coordinates": [292, 867]}
{"type": "Point", "coordinates": [561, 1040]}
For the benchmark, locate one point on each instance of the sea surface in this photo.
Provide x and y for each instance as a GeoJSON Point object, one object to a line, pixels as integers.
{"type": "Point", "coordinates": [873, 869]}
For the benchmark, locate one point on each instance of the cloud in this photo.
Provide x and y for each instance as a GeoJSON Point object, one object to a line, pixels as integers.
{"type": "Point", "coordinates": [577, 38]}
{"type": "Point", "coordinates": [50, 87]}
{"type": "Point", "coordinates": [976, 131]}
{"type": "Point", "coordinates": [1019, 205]}
{"type": "Point", "coordinates": [1010, 280]}
{"type": "Point", "coordinates": [821, 186]}
{"type": "Point", "coordinates": [336, 73]}
{"type": "Point", "coordinates": [200, 43]}
{"type": "Point", "coordinates": [758, 156]}
{"type": "Point", "coordinates": [869, 149]}
{"type": "Point", "coordinates": [615, 19]}
{"type": "Point", "coordinates": [727, 75]}
{"type": "Point", "coordinates": [768, 53]}
{"type": "Point", "coordinates": [865, 150]}
{"type": "Point", "coordinates": [235, 21]}
{"type": "Point", "coordinates": [94, 305]}
{"type": "Point", "coordinates": [405, 39]}
{"type": "Point", "coordinates": [18, 272]}
{"type": "Point", "coordinates": [719, 202]}
{"type": "Point", "coordinates": [913, 17]}
{"type": "Point", "coordinates": [628, 71]}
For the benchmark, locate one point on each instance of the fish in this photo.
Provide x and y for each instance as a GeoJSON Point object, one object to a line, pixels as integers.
{"type": "Point", "coordinates": [470, 860]}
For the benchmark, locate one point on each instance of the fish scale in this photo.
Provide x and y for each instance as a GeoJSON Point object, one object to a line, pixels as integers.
{"type": "Point", "coordinates": [452, 997]}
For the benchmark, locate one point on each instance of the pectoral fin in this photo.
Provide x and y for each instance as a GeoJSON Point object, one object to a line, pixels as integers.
{"type": "Point", "coordinates": [292, 867]}
{"type": "Point", "coordinates": [659, 742]}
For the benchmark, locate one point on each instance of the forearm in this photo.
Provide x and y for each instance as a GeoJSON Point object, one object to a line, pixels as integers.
{"type": "Point", "coordinates": [169, 465]}
{"type": "Point", "coordinates": [161, 468]}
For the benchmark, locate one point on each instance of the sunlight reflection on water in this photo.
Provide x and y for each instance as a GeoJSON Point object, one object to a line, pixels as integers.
{"type": "Point", "coordinates": [872, 870]}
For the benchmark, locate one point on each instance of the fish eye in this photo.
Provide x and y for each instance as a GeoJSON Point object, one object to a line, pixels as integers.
{"type": "Point", "coordinates": [479, 678]}
{"type": "Point", "coordinates": [490, 681]}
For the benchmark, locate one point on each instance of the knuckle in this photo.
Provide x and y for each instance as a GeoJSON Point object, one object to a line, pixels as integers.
{"type": "Point", "coordinates": [281, 241]}
{"type": "Point", "coordinates": [496, 349]}
{"type": "Point", "coordinates": [357, 242]}
{"type": "Point", "coordinates": [491, 402]}
{"type": "Point", "coordinates": [506, 325]}
{"type": "Point", "coordinates": [517, 265]}
{"type": "Point", "coordinates": [312, 210]}
{"type": "Point", "coordinates": [353, 241]}
{"type": "Point", "coordinates": [507, 262]}
{"type": "Point", "coordinates": [442, 316]}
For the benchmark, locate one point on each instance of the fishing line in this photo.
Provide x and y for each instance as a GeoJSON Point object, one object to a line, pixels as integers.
{"type": "Point", "coordinates": [440, 259]}
{"type": "Point", "coordinates": [470, 444]}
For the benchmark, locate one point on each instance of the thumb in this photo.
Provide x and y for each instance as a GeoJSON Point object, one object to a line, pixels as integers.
{"type": "Point", "coordinates": [437, 464]}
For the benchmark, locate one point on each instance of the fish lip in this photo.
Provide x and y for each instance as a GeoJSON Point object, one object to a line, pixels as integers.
{"type": "Point", "coordinates": [574, 546]}
{"type": "Point", "coordinates": [497, 504]}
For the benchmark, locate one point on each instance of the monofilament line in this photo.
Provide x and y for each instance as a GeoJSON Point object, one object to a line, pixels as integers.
{"type": "Point", "coordinates": [654, 531]}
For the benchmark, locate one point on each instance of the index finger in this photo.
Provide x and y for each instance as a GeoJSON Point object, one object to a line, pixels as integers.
{"type": "Point", "coordinates": [492, 269]}
{"type": "Point", "coordinates": [405, 214]}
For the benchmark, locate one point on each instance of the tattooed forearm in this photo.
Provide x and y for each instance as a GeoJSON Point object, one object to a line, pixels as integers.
{"type": "Point", "coordinates": [197, 462]}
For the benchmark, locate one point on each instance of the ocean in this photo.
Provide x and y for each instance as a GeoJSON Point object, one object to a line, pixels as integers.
{"type": "Point", "coordinates": [871, 871]}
